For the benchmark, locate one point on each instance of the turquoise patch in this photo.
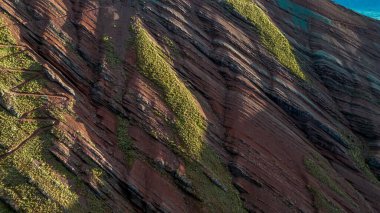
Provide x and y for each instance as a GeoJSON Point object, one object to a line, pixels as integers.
{"type": "Point", "coordinates": [301, 15]}
{"type": "Point", "coordinates": [328, 56]}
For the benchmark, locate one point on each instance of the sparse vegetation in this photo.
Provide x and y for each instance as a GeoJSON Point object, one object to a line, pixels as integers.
{"type": "Point", "coordinates": [97, 175]}
{"type": "Point", "coordinates": [322, 203]}
{"type": "Point", "coordinates": [125, 142]}
{"type": "Point", "coordinates": [171, 45]}
{"type": "Point", "coordinates": [271, 37]}
{"type": "Point", "coordinates": [356, 152]}
{"type": "Point", "coordinates": [319, 172]}
{"type": "Point", "coordinates": [90, 202]}
{"type": "Point", "coordinates": [111, 56]}
{"type": "Point", "coordinates": [218, 195]}
{"type": "Point", "coordinates": [168, 42]}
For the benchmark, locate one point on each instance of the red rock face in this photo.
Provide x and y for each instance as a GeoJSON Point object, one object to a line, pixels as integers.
{"type": "Point", "coordinates": [263, 122]}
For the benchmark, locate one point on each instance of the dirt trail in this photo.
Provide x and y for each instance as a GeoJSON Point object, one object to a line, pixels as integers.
{"type": "Point", "coordinates": [20, 145]}
{"type": "Point", "coordinates": [24, 116]}
{"type": "Point", "coordinates": [10, 55]}
{"type": "Point", "coordinates": [7, 45]}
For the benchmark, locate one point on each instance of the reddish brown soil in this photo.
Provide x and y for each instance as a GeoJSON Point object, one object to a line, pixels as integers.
{"type": "Point", "coordinates": [263, 121]}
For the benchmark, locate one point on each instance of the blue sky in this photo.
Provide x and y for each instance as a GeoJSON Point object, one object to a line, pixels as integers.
{"type": "Point", "coordinates": [367, 7]}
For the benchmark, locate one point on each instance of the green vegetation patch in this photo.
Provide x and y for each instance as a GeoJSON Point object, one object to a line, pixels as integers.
{"type": "Point", "coordinates": [12, 131]}
{"type": "Point", "coordinates": [27, 182]}
{"type": "Point", "coordinates": [356, 152]}
{"type": "Point", "coordinates": [322, 203]}
{"type": "Point", "coordinates": [5, 36]}
{"type": "Point", "coordinates": [124, 140]}
{"type": "Point", "coordinates": [212, 183]}
{"type": "Point", "coordinates": [152, 63]}
{"type": "Point", "coordinates": [25, 103]}
{"type": "Point", "coordinates": [210, 179]}
{"type": "Point", "coordinates": [30, 163]}
{"type": "Point", "coordinates": [111, 56]}
{"type": "Point", "coordinates": [97, 175]}
{"type": "Point", "coordinates": [12, 74]}
{"type": "Point", "coordinates": [31, 178]}
{"type": "Point", "coordinates": [14, 188]}
{"type": "Point", "coordinates": [33, 86]}
{"type": "Point", "coordinates": [316, 170]}
{"type": "Point", "coordinates": [10, 79]}
{"type": "Point", "coordinates": [8, 51]}
{"type": "Point", "coordinates": [19, 60]}
{"type": "Point", "coordinates": [272, 38]}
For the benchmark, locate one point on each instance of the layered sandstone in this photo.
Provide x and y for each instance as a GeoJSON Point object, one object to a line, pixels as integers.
{"type": "Point", "coordinates": [283, 143]}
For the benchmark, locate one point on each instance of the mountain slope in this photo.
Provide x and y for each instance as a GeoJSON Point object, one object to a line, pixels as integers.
{"type": "Point", "coordinates": [183, 106]}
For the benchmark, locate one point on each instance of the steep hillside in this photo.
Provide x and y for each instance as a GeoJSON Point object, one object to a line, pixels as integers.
{"type": "Point", "coordinates": [188, 106]}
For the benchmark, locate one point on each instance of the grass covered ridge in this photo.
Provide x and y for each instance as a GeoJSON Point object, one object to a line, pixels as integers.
{"type": "Point", "coordinates": [210, 179]}
{"type": "Point", "coordinates": [152, 63]}
{"type": "Point", "coordinates": [271, 37]}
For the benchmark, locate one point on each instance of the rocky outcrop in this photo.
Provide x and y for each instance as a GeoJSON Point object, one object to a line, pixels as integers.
{"type": "Point", "coordinates": [274, 142]}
